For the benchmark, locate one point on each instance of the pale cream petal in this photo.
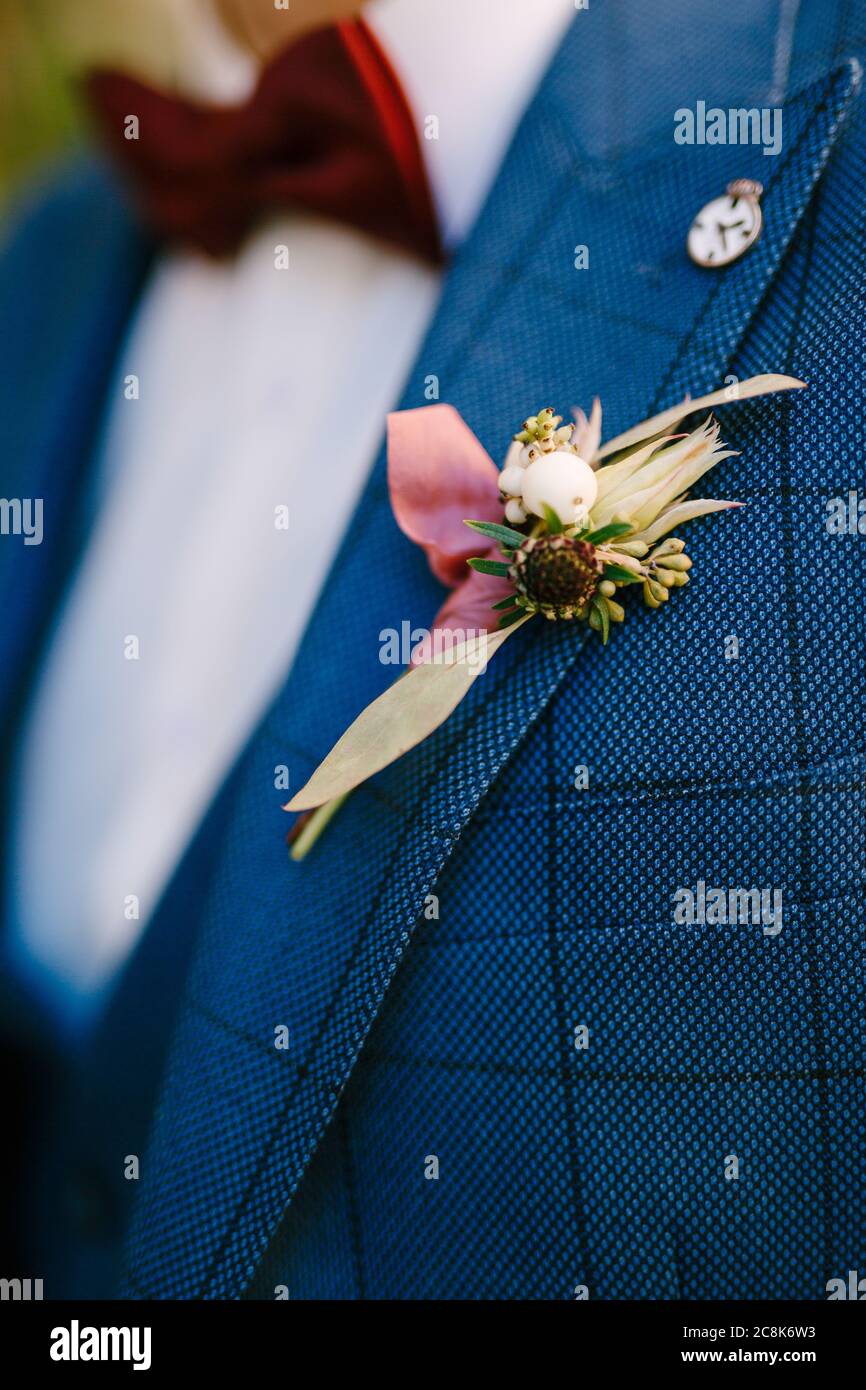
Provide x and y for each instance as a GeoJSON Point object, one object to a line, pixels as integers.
{"type": "Point", "coordinates": [678, 515]}
{"type": "Point", "coordinates": [745, 390]}
{"type": "Point", "coordinates": [587, 433]}
{"type": "Point", "coordinates": [614, 475]}
{"type": "Point", "coordinates": [656, 463]}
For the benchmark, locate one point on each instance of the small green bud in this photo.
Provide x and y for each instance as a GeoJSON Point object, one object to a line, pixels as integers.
{"type": "Point", "coordinates": [617, 612]}
{"type": "Point", "coordinates": [628, 562]}
{"type": "Point", "coordinates": [658, 591]}
{"type": "Point", "coordinates": [607, 588]}
{"type": "Point", "coordinates": [666, 577]}
{"type": "Point", "coordinates": [671, 546]}
{"type": "Point", "coordinates": [677, 562]}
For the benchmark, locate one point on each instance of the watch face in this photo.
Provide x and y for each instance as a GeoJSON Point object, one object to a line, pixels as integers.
{"type": "Point", "coordinates": [724, 229]}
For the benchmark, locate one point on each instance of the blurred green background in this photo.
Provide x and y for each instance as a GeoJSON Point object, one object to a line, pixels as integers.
{"type": "Point", "coordinates": [44, 44]}
{"type": "Point", "coordinates": [39, 116]}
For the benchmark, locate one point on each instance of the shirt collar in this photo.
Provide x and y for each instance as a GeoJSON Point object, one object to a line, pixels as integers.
{"type": "Point", "coordinates": [474, 68]}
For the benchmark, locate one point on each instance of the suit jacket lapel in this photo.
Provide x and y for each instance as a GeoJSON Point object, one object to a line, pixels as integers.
{"type": "Point", "coordinates": [312, 947]}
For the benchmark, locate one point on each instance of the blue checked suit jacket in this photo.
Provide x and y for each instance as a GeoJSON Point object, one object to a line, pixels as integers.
{"type": "Point", "coordinates": [602, 1169]}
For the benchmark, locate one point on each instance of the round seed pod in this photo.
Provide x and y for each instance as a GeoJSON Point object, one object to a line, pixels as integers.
{"type": "Point", "coordinates": [557, 574]}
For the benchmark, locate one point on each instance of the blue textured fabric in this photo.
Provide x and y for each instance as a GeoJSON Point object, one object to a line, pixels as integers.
{"type": "Point", "coordinates": [455, 1038]}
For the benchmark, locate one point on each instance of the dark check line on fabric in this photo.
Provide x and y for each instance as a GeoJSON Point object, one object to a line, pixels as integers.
{"type": "Point", "coordinates": [345, 975]}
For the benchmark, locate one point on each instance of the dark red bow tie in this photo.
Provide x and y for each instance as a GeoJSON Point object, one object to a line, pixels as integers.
{"type": "Point", "coordinates": [328, 128]}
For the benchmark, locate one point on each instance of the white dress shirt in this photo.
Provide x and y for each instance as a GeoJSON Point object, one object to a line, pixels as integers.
{"type": "Point", "coordinates": [121, 757]}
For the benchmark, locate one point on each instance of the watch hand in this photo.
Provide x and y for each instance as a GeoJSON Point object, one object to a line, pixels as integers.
{"type": "Point", "coordinates": [723, 227]}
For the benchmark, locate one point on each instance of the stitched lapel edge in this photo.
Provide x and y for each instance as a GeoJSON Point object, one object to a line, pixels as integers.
{"type": "Point", "coordinates": [736, 297]}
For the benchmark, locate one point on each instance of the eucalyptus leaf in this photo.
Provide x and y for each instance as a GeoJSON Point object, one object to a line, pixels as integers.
{"type": "Point", "coordinates": [400, 718]}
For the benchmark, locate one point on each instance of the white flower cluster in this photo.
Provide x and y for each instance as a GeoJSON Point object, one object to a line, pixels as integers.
{"type": "Point", "coordinates": [544, 469]}
{"type": "Point", "coordinates": [535, 477]}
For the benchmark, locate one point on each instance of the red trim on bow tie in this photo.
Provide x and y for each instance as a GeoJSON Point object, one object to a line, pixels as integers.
{"type": "Point", "coordinates": [327, 128]}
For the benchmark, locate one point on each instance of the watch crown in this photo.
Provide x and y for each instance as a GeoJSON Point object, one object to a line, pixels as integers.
{"type": "Point", "coordinates": [745, 188]}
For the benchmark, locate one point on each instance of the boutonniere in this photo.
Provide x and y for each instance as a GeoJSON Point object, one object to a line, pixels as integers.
{"type": "Point", "coordinates": [565, 532]}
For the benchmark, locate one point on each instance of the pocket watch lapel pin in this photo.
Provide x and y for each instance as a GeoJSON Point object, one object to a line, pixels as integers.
{"type": "Point", "coordinates": [726, 227]}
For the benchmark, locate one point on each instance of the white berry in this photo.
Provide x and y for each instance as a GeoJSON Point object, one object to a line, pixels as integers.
{"type": "Point", "coordinates": [511, 480]}
{"type": "Point", "coordinates": [514, 512]}
{"type": "Point", "coordinates": [560, 480]}
{"type": "Point", "coordinates": [514, 455]}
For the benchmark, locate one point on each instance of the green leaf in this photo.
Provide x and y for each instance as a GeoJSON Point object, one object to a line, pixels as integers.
{"type": "Point", "coordinates": [489, 567]}
{"type": "Point", "coordinates": [601, 608]}
{"type": "Point", "coordinates": [504, 602]}
{"type": "Point", "coordinates": [609, 532]}
{"type": "Point", "coordinates": [400, 718]}
{"type": "Point", "coordinates": [503, 535]}
{"type": "Point", "coordinates": [508, 618]}
{"type": "Point", "coordinates": [554, 525]}
{"type": "Point", "coordinates": [622, 575]}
